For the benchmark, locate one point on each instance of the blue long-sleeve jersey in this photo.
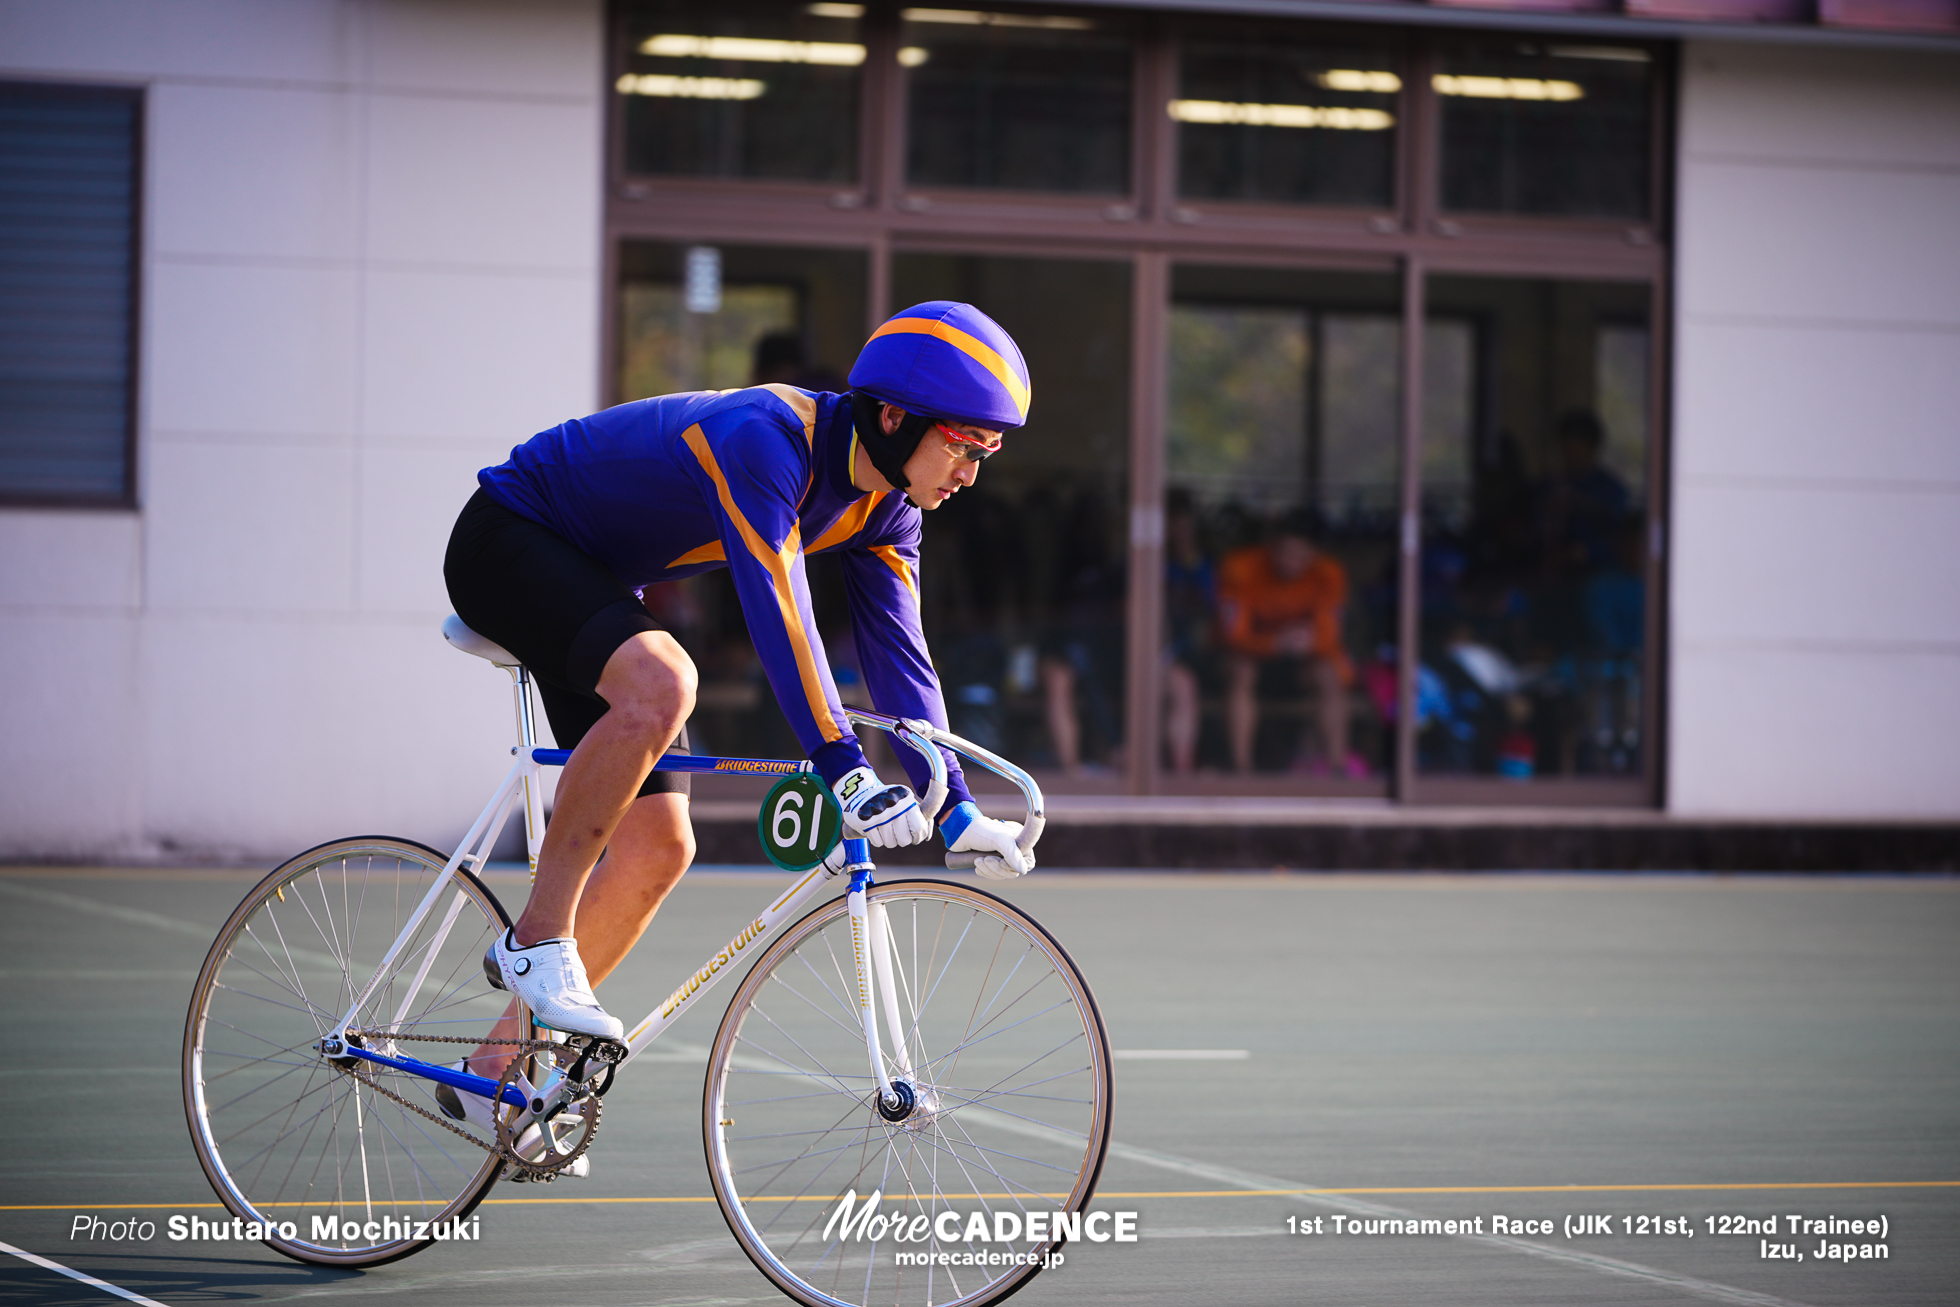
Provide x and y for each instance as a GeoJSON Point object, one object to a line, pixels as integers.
{"type": "Point", "coordinates": [751, 480]}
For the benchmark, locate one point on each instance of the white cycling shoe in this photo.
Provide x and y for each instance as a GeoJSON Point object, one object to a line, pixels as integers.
{"type": "Point", "coordinates": [475, 1109]}
{"type": "Point", "coordinates": [550, 980]}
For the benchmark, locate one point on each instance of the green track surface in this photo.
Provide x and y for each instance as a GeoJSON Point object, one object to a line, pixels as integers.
{"type": "Point", "coordinates": [1680, 1047]}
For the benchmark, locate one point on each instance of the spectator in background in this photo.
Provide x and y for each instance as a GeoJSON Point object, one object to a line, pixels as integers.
{"type": "Point", "coordinates": [1082, 643]}
{"type": "Point", "coordinates": [1190, 605]}
{"type": "Point", "coordinates": [1279, 609]}
{"type": "Point", "coordinates": [1583, 503]}
{"type": "Point", "coordinates": [781, 357]}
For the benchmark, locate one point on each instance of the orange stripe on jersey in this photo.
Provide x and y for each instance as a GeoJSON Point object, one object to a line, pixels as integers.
{"type": "Point", "coordinates": [848, 525]}
{"type": "Point", "coordinates": [711, 552]}
{"type": "Point", "coordinates": [800, 404]}
{"type": "Point", "coordinates": [777, 563]}
{"type": "Point", "coordinates": [896, 561]}
{"type": "Point", "coordinates": [979, 350]}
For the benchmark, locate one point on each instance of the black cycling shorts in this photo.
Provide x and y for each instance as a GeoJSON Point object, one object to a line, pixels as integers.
{"type": "Point", "coordinates": [558, 609]}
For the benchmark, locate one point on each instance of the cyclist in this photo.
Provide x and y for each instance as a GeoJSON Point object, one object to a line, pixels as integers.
{"type": "Point", "coordinates": [546, 558]}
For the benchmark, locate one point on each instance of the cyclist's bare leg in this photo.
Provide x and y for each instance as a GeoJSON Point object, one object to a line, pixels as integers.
{"type": "Point", "coordinates": [651, 848]}
{"type": "Point", "coordinates": [648, 685]}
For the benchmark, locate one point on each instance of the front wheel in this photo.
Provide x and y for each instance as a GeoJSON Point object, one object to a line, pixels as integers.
{"type": "Point", "coordinates": [1003, 1074]}
{"type": "Point", "coordinates": [321, 1152]}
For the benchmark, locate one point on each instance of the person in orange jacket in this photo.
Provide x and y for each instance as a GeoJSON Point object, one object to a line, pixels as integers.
{"type": "Point", "coordinates": [1280, 618]}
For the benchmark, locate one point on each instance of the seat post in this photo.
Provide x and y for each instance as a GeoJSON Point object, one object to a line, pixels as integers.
{"type": "Point", "coordinates": [527, 739]}
{"type": "Point", "coordinates": [520, 688]}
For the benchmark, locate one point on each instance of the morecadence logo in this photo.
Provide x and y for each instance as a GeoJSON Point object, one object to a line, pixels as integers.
{"type": "Point", "coordinates": [976, 1235]}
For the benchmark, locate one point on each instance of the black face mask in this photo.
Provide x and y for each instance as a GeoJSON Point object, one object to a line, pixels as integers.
{"type": "Point", "coordinates": [889, 454]}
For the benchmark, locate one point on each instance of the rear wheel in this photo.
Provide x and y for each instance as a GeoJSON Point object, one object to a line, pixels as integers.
{"type": "Point", "coordinates": [1004, 1079]}
{"type": "Point", "coordinates": [306, 1144]}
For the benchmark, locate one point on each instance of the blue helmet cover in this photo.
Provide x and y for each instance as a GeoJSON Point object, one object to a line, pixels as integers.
{"type": "Point", "coordinates": [947, 360]}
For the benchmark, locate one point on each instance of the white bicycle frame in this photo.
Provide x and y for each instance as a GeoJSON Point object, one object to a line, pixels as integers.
{"type": "Point", "coordinates": [870, 933]}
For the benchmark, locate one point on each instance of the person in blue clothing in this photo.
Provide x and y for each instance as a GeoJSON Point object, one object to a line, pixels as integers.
{"type": "Point", "coordinates": [546, 558]}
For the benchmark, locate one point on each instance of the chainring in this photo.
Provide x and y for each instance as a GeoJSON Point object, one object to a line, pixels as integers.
{"type": "Point", "coordinates": [560, 1150]}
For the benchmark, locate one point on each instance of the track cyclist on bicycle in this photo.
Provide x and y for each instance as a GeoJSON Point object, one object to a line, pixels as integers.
{"type": "Point", "coordinates": [548, 554]}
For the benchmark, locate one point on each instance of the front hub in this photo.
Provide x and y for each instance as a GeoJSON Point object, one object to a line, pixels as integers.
{"type": "Point", "coordinates": [905, 1098]}
{"type": "Point", "coordinates": [917, 1106]}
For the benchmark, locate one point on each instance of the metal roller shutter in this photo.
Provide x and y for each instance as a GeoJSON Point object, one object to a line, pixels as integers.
{"type": "Point", "coordinates": [68, 204]}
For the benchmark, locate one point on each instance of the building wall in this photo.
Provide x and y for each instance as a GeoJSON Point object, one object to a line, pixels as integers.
{"type": "Point", "coordinates": [1815, 618]}
{"type": "Point", "coordinates": [371, 265]}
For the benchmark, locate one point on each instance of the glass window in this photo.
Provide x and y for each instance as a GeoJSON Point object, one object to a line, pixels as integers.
{"type": "Point", "coordinates": [1023, 574]}
{"type": "Point", "coordinates": [741, 90]}
{"type": "Point", "coordinates": [1028, 102]}
{"type": "Point", "coordinates": [775, 314]}
{"type": "Point", "coordinates": [1559, 130]}
{"type": "Point", "coordinates": [67, 243]}
{"type": "Point", "coordinates": [1534, 575]}
{"type": "Point", "coordinates": [1263, 119]}
{"type": "Point", "coordinates": [1283, 470]}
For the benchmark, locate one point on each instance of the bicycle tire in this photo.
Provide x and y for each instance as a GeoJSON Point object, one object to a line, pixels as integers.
{"type": "Point", "coordinates": [284, 1134]}
{"type": "Point", "coordinates": [1005, 1042]}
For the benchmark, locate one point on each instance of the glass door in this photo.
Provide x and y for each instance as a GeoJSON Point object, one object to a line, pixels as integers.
{"type": "Point", "coordinates": [1023, 575]}
{"type": "Point", "coordinates": [701, 316]}
{"type": "Point", "coordinates": [1282, 477]}
{"type": "Point", "coordinates": [1535, 572]}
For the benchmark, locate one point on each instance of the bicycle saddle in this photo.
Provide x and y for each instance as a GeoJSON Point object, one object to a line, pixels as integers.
{"type": "Point", "coordinates": [460, 636]}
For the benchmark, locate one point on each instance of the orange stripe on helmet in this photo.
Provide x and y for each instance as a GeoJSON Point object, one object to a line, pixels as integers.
{"type": "Point", "coordinates": [979, 350]}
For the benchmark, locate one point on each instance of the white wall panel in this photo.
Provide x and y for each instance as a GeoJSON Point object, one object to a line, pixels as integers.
{"type": "Point", "coordinates": [409, 501]}
{"type": "Point", "coordinates": [1759, 403]}
{"type": "Point", "coordinates": [1815, 734]}
{"type": "Point", "coordinates": [1819, 242]}
{"type": "Point", "coordinates": [1853, 106]}
{"type": "Point", "coordinates": [56, 559]}
{"type": "Point", "coordinates": [311, 40]}
{"type": "Point", "coordinates": [74, 785]}
{"type": "Point", "coordinates": [1821, 564]}
{"type": "Point", "coordinates": [251, 349]}
{"type": "Point", "coordinates": [513, 48]}
{"type": "Point", "coordinates": [478, 182]}
{"type": "Point", "coordinates": [485, 360]}
{"type": "Point", "coordinates": [252, 171]}
{"type": "Point", "coordinates": [327, 727]}
{"type": "Point", "coordinates": [1814, 666]}
{"type": "Point", "coordinates": [236, 526]}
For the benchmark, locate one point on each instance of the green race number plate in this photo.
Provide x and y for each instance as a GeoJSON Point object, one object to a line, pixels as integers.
{"type": "Point", "coordinates": [800, 822]}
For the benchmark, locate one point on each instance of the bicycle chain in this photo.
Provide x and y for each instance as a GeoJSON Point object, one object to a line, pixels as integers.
{"type": "Point", "coordinates": [525, 1168]}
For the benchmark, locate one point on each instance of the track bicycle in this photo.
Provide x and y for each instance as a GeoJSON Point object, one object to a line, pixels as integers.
{"type": "Point", "coordinates": [907, 1049]}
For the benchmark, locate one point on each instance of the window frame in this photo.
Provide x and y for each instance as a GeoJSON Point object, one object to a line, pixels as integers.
{"type": "Point", "coordinates": [1153, 229]}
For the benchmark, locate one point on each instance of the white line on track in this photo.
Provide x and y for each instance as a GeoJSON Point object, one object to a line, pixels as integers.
{"type": "Point", "coordinates": [151, 920]}
{"type": "Point", "coordinates": [1225, 1175]}
{"type": "Point", "coordinates": [89, 1280]}
{"type": "Point", "coordinates": [1237, 1179]}
{"type": "Point", "coordinates": [134, 916]}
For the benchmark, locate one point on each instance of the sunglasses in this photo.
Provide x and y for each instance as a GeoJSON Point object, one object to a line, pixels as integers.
{"type": "Point", "coordinates": [972, 448]}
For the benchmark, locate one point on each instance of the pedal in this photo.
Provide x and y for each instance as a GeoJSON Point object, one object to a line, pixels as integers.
{"type": "Point", "coordinates": [596, 1055]}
